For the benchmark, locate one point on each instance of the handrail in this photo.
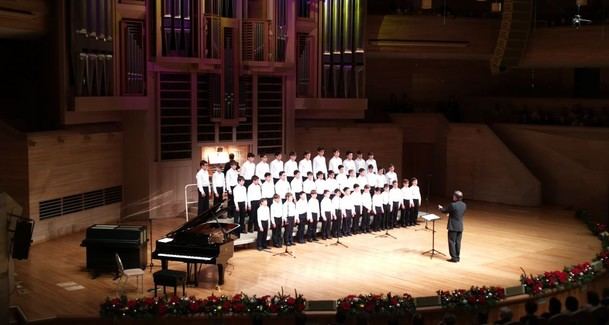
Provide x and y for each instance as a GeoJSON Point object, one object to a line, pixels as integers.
{"type": "Point", "coordinates": [186, 202]}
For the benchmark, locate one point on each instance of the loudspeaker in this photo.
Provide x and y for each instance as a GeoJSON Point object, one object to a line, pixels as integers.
{"type": "Point", "coordinates": [22, 239]}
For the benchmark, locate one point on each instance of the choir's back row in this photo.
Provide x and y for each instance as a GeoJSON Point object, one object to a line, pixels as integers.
{"type": "Point", "coordinates": [346, 196]}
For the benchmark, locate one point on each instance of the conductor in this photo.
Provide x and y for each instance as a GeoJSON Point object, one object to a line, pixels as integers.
{"type": "Point", "coordinates": [455, 211]}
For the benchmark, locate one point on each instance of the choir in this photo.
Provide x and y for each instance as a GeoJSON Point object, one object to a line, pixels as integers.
{"type": "Point", "coordinates": [346, 197]}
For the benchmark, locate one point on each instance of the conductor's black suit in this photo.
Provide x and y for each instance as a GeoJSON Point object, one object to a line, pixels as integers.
{"type": "Point", "coordinates": [456, 211]}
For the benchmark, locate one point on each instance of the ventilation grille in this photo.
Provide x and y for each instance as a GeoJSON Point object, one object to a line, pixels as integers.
{"type": "Point", "coordinates": [206, 85]}
{"type": "Point", "coordinates": [80, 202]}
{"type": "Point", "coordinates": [174, 116]}
{"type": "Point", "coordinates": [245, 128]}
{"type": "Point", "coordinates": [270, 114]}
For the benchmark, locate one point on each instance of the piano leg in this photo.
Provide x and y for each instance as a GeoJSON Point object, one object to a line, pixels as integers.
{"type": "Point", "coordinates": [164, 264]}
{"type": "Point", "coordinates": [220, 274]}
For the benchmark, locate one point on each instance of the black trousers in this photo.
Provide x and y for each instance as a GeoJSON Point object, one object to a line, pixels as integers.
{"type": "Point", "coordinates": [231, 203]}
{"type": "Point", "coordinates": [203, 204]}
{"type": "Point", "coordinates": [405, 221]}
{"type": "Point", "coordinates": [378, 218]}
{"type": "Point", "coordinates": [326, 225]}
{"type": "Point", "coordinates": [252, 223]}
{"type": "Point", "coordinates": [240, 217]}
{"type": "Point", "coordinates": [365, 225]}
{"type": "Point", "coordinates": [276, 237]}
{"type": "Point", "coordinates": [302, 223]}
{"type": "Point", "coordinates": [347, 222]}
{"type": "Point", "coordinates": [218, 198]}
{"type": "Point", "coordinates": [356, 219]}
{"type": "Point", "coordinates": [414, 212]}
{"type": "Point", "coordinates": [288, 234]}
{"type": "Point", "coordinates": [386, 216]}
{"type": "Point", "coordinates": [262, 234]}
{"type": "Point", "coordinates": [454, 244]}
{"type": "Point", "coordinates": [337, 223]}
{"type": "Point", "coordinates": [312, 229]}
{"type": "Point", "coordinates": [394, 214]}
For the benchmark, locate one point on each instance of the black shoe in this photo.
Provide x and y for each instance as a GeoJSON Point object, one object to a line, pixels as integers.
{"type": "Point", "coordinates": [315, 239]}
{"type": "Point", "coordinates": [259, 248]}
{"type": "Point", "coordinates": [302, 242]}
{"type": "Point", "coordinates": [452, 260]}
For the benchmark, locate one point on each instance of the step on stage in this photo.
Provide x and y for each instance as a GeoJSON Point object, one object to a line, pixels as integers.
{"type": "Point", "coordinates": [498, 241]}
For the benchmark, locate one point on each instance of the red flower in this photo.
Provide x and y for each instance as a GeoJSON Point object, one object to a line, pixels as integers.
{"type": "Point", "coordinates": [369, 307]}
{"type": "Point", "coordinates": [226, 306]}
{"type": "Point", "coordinates": [212, 298]}
{"type": "Point", "coordinates": [149, 301]}
{"type": "Point", "coordinates": [238, 307]}
{"type": "Point", "coordinates": [345, 305]}
{"type": "Point", "coordinates": [162, 309]}
{"type": "Point", "coordinates": [394, 301]}
{"type": "Point", "coordinates": [193, 307]}
{"type": "Point", "coordinates": [131, 304]}
{"type": "Point", "coordinates": [300, 307]}
{"type": "Point", "coordinates": [237, 298]}
{"type": "Point", "coordinates": [274, 308]}
{"type": "Point", "coordinates": [291, 301]}
{"type": "Point", "coordinates": [116, 301]}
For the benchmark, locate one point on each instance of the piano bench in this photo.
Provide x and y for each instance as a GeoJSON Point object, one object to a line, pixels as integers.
{"type": "Point", "coordinates": [169, 278]}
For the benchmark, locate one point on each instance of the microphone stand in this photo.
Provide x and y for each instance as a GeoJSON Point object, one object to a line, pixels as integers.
{"type": "Point", "coordinates": [337, 243]}
{"type": "Point", "coordinates": [286, 252]}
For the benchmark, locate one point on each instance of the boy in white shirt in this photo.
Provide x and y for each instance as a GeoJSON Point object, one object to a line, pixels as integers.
{"type": "Point", "coordinates": [338, 215]}
{"type": "Point", "coordinates": [289, 213]}
{"type": "Point", "coordinates": [319, 162]}
{"type": "Point", "coordinates": [254, 195]}
{"type": "Point", "coordinates": [362, 180]}
{"type": "Point", "coordinates": [335, 161]}
{"type": "Point", "coordinates": [276, 166]}
{"type": "Point", "coordinates": [330, 184]}
{"type": "Point", "coordinates": [391, 175]}
{"type": "Point", "coordinates": [371, 178]}
{"type": "Point", "coordinates": [302, 209]}
{"type": "Point", "coordinates": [360, 162]}
{"type": "Point", "coordinates": [264, 217]}
{"type": "Point", "coordinates": [386, 207]}
{"type": "Point", "coordinates": [248, 169]}
{"type": "Point", "coordinates": [277, 220]}
{"type": "Point", "coordinates": [366, 209]}
{"type": "Point", "coordinates": [232, 174]}
{"type": "Point", "coordinates": [352, 179]}
{"type": "Point", "coordinates": [356, 198]}
{"type": "Point", "coordinates": [296, 183]}
{"type": "Point", "coordinates": [268, 189]}
{"type": "Point", "coordinates": [415, 194]}
{"type": "Point", "coordinates": [203, 187]}
{"type": "Point", "coordinates": [305, 165]}
{"type": "Point", "coordinates": [381, 181]}
{"type": "Point", "coordinates": [407, 197]}
{"type": "Point", "coordinates": [349, 163]}
{"type": "Point", "coordinates": [290, 166]}
{"type": "Point", "coordinates": [282, 187]}
{"type": "Point", "coordinates": [377, 207]}
{"type": "Point", "coordinates": [371, 161]}
{"type": "Point", "coordinates": [308, 185]}
{"type": "Point", "coordinates": [341, 178]}
{"type": "Point", "coordinates": [218, 183]}
{"type": "Point", "coordinates": [326, 214]}
{"type": "Point", "coordinates": [240, 199]}
{"type": "Point", "coordinates": [396, 201]}
{"type": "Point", "coordinates": [347, 208]}
{"type": "Point", "coordinates": [262, 167]}
{"type": "Point", "coordinates": [320, 183]}
{"type": "Point", "coordinates": [313, 211]}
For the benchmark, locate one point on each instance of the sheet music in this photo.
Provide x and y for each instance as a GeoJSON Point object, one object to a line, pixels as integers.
{"type": "Point", "coordinates": [430, 217]}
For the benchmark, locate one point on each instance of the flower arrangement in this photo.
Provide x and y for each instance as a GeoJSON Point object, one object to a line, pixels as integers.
{"type": "Point", "coordinates": [580, 273]}
{"type": "Point", "coordinates": [213, 306]}
{"type": "Point", "coordinates": [474, 298]}
{"type": "Point", "coordinates": [376, 304]}
{"type": "Point", "coordinates": [535, 285]}
{"type": "Point", "coordinates": [603, 256]}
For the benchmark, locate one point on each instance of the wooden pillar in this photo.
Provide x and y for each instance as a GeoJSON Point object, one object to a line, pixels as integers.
{"type": "Point", "coordinates": [7, 206]}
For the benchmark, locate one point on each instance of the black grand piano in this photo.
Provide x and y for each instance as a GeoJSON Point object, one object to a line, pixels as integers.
{"type": "Point", "coordinates": [202, 240]}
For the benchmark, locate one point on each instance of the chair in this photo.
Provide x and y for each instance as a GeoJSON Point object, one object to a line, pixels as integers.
{"type": "Point", "coordinates": [169, 278]}
{"type": "Point", "coordinates": [124, 276]}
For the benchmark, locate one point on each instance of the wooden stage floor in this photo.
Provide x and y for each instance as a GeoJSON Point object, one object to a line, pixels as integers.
{"type": "Point", "coordinates": [497, 241]}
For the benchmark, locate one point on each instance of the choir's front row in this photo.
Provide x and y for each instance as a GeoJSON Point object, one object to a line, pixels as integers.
{"type": "Point", "coordinates": [341, 213]}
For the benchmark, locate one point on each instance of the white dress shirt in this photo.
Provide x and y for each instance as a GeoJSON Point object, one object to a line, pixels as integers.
{"type": "Point", "coordinates": [342, 181]}
{"type": "Point", "coordinates": [395, 195]}
{"type": "Point", "coordinates": [331, 184]}
{"type": "Point", "coordinates": [268, 189]}
{"type": "Point", "coordinates": [360, 164]}
{"type": "Point", "coordinates": [356, 198]}
{"type": "Point", "coordinates": [248, 169]}
{"type": "Point", "coordinates": [351, 181]}
{"type": "Point", "coordinates": [381, 180]}
{"type": "Point", "coordinates": [326, 206]}
{"type": "Point", "coordinates": [239, 195]}
{"type": "Point", "coordinates": [296, 186]}
{"type": "Point", "coordinates": [263, 214]}
{"type": "Point", "coordinates": [289, 209]}
{"type": "Point", "coordinates": [391, 177]}
{"type": "Point", "coordinates": [313, 207]}
{"type": "Point", "coordinates": [334, 163]}
{"type": "Point", "coordinates": [385, 196]}
{"type": "Point", "coordinates": [406, 193]}
{"type": "Point", "coordinates": [254, 193]}
{"type": "Point", "coordinates": [308, 186]}
{"type": "Point", "coordinates": [373, 163]}
{"type": "Point", "coordinates": [366, 201]}
{"type": "Point", "coordinates": [282, 188]}
{"type": "Point", "coordinates": [302, 207]}
{"type": "Point", "coordinates": [202, 181]}
{"type": "Point", "coordinates": [289, 167]}
{"type": "Point", "coordinates": [261, 169]}
{"type": "Point", "coordinates": [319, 165]}
{"type": "Point", "coordinates": [276, 212]}
{"type": "Point", "coordinates": [347, 204]}
{"type": "Point", "coordinates": [362, 181]}
{"type": "Point", "coordinates": [415, 192]}
{"type": "Point", "coordinates": [377, 201]}
{"type": "Point", "coordinates": [217, 180]}
{"type": "Point", "coordinates": [320, 186]}
{"type": "Point", "coordinates": [276, 168]}
{"type": "Point", "coordinates": [349, 165]}
{"type": "Point", "coordinates": [336, 203]}
{"type": "Point", "coordinates": [371, 179]}
{"type": "Point", "coordinates": [305, 166]}
{"type": "Point", "coordinates": [231, 179]}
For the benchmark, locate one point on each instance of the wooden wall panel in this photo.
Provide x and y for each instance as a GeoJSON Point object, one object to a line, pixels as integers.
{"type": "Point", "coordinates": [572, 163]}
{"type": "Point", "coordinates": [168, 187]}
{"type": "Point", "coordinates": [385, 140]}
{"type": "Point", "coordinates": [63, 163]}
{"type": "Point", "coordinates": [14, 165]}
{"type": "Point", "coordinates": [484, 168]}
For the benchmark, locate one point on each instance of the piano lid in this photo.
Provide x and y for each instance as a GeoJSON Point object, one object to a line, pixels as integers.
{"type": "Point", "coordinates": [209, 215]}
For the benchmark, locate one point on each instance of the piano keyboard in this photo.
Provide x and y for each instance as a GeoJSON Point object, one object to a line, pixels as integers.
{"type": "Point", "coordinates": [185, 256]}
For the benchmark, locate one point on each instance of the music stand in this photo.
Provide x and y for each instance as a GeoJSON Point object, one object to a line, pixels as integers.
{"type": "Point", "coordinates": [433, 251]}
{"type": "Point", "coordinates": [337, 243]}
{"type": "Point", "coordinates": [426, 228]}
